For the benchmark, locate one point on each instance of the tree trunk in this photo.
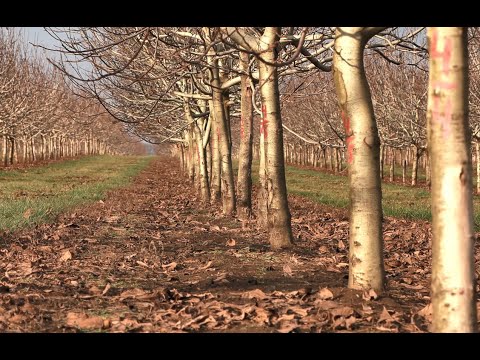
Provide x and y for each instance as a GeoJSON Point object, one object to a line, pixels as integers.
{"type": "Point", "coordinates": [215, 175]}
{"type": "Point", "coordinates": [415, 157]}
{"type": "Point", "coordinates": [392, 164]}
{"type": "Point", "coordinates": [453, 270]}
{"type": "Point", "coordinates": [201, 158]}
{"type": "Point", "coordinates": [382, 159]}
{"type": "Point", "coordinates": [363, 157]}
{"type": "Point", "coordinates": [228, 186]}
{"type": "Point", "coordinates": [404, 168]}
{"type": "Point", "coordinates": [477, 148]}
{"type": "Point", "coordinates": [5, 150]}
{"type": "Point", "coordinates": [279, 218]}
{"type": "Point", "coordinates": [244, 181]}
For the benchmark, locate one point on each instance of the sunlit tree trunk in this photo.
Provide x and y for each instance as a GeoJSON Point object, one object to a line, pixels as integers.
{"type": "Point", "coordinates": [200, 154]}
{"type": "Point", "coordinates": [279, 218]}
{"type": "Point", "coordinates": [5, 150]}
{"type": "Point", "coordinates": [228, 186]}
{"type": "Point", "coordinates": [392, 164]}
{"type": "Point", "coordinates": [453, 272]}
{"type": "Point", "coordinates": [215, 175]}
{"type": "Point", "coordinates": [382, 159]}
{"type": "Point", "coordinates": [415, 156]}
{"type": "Point", "coordinates": [477, 149]}
{"type": "Point", "coordinates": [244, 181]}
{"type": "Point", "coordinates": [363, 157]}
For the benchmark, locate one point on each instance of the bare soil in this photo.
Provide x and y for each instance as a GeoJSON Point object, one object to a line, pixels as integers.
{"type": "Point", "coordinates": [151, 258]}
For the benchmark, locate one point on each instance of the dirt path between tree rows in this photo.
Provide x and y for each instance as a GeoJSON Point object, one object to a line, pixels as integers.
{"type": "Point", "coordinates": [150, 258]}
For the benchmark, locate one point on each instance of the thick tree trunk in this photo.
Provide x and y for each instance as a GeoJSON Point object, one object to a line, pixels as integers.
{"type": "Point", "coordinates": [244, 181]}
{"type": "Point", "coordinates": [279, 218]}
{"type": "Point", "coordinates": [453, 271]}
{"type": "Point", "coordinates": [363, 157]}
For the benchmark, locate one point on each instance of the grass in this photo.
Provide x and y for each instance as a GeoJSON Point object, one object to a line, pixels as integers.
{"type": "Point", "coordinates": [398, 201]}
{"type": "Point", "coordinates": [38, 195]}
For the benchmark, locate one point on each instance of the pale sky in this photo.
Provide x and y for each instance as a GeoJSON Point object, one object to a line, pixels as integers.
{"type": "Point", "coordinates": [38, 35]}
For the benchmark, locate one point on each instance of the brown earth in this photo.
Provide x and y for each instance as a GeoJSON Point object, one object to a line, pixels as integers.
{"type": "Point", "coordinates": [150, 258]}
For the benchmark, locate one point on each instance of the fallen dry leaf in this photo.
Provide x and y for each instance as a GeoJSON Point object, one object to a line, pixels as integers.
{"type": "Point", "coordinates": [231, 242]}
{"type": "Point", "coordinates": [83, 321]}
{"type": "Point", "coordinates": [107, 287]}
{"type": "Point", "coordinates": [257, 293]}
{"type": "Point", "coordinates": [385, 316]}
{"type": "Point", "coordinates": [287, 270]}
{"type": "Point", "coordinates": [132, 293]}
{"type": "Point", "coordinates": [27, 213]}
{"type": "Point", "coordinates": [324, 294]}
{"type": "Point", "coordinates": [426, 312]}
{"type": "Point", "coordinates": [342, 311]}
{"type": "Point", "coordinates": [170, 267]}
{"type": "Point", "coordinates": [66, 255]}
{"type": "Point", "coordinates": [369, 295]}
{"type": "Point", "coordinates": [206, 266]}
{"type": "Point", "coordinates": [341, 245]}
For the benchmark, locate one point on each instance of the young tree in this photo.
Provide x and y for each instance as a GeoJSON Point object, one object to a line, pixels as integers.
{"type": "Point", "coordinates": [453, 274]}
{"type": "Point", "coordinates": [363, 158]}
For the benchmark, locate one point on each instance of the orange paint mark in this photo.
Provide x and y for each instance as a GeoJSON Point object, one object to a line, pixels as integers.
{"type": "Point", "coordinates": [349, 137]}
{"type": "Point", "coordinates": [264, 122]}
{"type": "Point", "coordinates": [445, 53]}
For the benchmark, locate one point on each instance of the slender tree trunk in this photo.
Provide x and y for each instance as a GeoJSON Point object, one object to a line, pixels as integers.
{"type": "Point", "coordinates": [279, 218]}
{"type": "Point", "coordinates": [215, 177]}
{"type": "Point", "coordinates": [404, 168]}
{"type": "Point", "coordinates": [244, 181]}
{"type": "Point", "coordinates": [428, 169]}
{"type": "Point", "coordinates": [363, 157]}
{"type": "Point", "coordinates": [4, 150]}
{"type": "Point", "coordinates": [228, 186]}
{"type": "Point", "coordinates": [477, 148]}
{"type": "Point", "coordinates": [201, 158]}
{"type": "Point", "coordinates": [392, 164]}
{"type": "Point", "coordinates": [415, 157]}
{"type": "Point", "coordinates": [453, 270]}
{"type": "Point", "coordinates": [382, 159]}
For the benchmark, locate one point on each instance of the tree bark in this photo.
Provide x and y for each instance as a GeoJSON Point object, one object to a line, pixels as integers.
{"type": "Point", "coordinates": [392, 164]}
{"type": "Point", "coordinates": [279, 218]}
{"type": "Point", "coordinates": [415, 157]}
{"type": "Point", "coordinates": [453, 271]}
{"type": "Point", "coordinates": [363, 157]}
{"type": "Point", "coordinates": [228, 186]}
{"type": "Point", "coordinates": [215, 177]}
{"type": "Point", "coordinates": [244, 181]}
{"type": "Point", "coordinates": [477, 148]}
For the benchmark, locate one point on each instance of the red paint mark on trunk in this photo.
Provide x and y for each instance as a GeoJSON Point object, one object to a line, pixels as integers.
{"type": "Point", "coordinates": [445, 53]}
{"type": "Point", "coordinates": [444, 85]}
{"type": "Point", "coordinates": [264, 122]}
{"type": "Point", "coordinates": [349, 137]}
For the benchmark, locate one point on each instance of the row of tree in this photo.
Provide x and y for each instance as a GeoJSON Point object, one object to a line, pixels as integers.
{"type": "Point", "coordinates": [187, 85]}
{"type": "Point", "coordinates": [41, 118]}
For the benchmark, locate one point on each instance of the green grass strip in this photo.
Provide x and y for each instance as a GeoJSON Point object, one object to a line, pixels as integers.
{"type": "Point", "coordinates": [50, 190]}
